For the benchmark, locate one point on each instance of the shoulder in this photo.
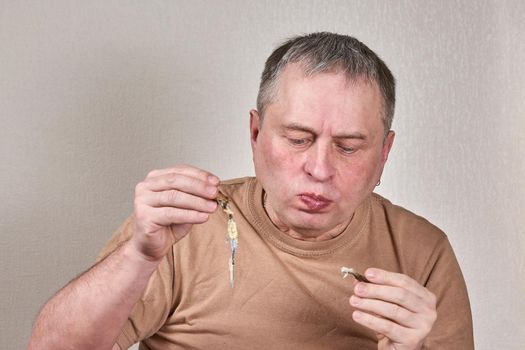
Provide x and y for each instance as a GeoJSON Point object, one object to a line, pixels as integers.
{"type": "Point", "coordinates": [418, 244]}
{"type": "Point", "coordinates": [240, 190]}
{"type": "Point", "coordinates": [411, 232]}
{"type": "Point", "coordinates": [231, 186]}
{"type": "Point", "coordinates": [400, 218]}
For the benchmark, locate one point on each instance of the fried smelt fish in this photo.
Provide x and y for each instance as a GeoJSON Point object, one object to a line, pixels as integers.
{"type": "Point", "coordinates": [222, 200]}
{"type": "Point", "coordinates": [345, 271]}
{"type": "Point", "coordinates": [233, 234]}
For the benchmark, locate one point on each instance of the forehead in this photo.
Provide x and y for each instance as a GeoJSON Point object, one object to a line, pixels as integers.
{"type": "Point", "coordinates": [328, 98]}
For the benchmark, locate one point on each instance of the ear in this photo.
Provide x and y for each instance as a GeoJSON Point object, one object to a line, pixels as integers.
{"type": "Point", "coordinates": [255, 127]}
{"type": "Point", "coordinates": [387, 146]}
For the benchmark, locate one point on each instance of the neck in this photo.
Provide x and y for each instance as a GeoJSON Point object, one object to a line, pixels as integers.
{"type": "Point", "coordinates": [303, 234]}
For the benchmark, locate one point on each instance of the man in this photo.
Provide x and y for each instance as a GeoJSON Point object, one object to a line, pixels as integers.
{"type": "Point", "coordinates": [320, 138]}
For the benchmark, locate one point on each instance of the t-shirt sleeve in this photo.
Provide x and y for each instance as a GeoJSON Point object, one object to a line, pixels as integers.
{"type": "Point", "coordinates": [154, 306]}
{"type": "Point", "coordinates": [453, 326]}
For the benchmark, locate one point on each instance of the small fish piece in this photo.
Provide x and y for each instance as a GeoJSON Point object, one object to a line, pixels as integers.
{"type": "Point", "coordinates": [222, 200]}
{"type": "Point", "coordinates": [345, 271]}
{"type": "Point", "coordinates": [233, 234]}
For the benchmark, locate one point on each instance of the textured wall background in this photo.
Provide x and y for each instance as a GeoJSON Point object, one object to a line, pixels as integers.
{"type": "Point", "coordinates": [94, 94]}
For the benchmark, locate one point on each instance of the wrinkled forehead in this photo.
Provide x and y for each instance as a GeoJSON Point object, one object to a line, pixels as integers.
{"type": "Point", "coordinates": [297, 70]}
{"type": "Point", "coordinates": [295, 77]}
{"type": "Point", "coordinates": [327, 98]}
{"type": "Point", "coordinates": [305, 70]}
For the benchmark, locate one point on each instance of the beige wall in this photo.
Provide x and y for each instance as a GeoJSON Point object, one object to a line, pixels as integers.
{"type": "Point", "coordinates": [93, 94]}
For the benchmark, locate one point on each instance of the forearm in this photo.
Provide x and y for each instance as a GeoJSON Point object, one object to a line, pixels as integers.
{"type": "Point", "coordinates": [90, 311]}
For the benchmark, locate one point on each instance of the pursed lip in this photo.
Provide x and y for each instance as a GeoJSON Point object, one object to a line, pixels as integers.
{"type": "Point", "coordinates": [314, 202]}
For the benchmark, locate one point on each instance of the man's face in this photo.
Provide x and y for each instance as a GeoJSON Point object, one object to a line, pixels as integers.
{"type": "Point", "coordinates": [319, 152]}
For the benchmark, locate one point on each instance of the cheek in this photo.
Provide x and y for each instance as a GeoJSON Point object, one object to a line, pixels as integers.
{"type": "Point", "coordinates": [277, 157]}
{"type": "Point", "coordinates": [359, 176]}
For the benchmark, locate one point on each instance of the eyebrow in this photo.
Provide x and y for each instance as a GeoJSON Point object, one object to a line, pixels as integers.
{"type": "Point", "coordinates": [352, 135]}
{"type": "Point", "coordinates": [298, 127]}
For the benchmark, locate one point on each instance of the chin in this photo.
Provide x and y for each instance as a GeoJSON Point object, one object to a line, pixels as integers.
{"type": "Point", "coordinates": [310, 221]}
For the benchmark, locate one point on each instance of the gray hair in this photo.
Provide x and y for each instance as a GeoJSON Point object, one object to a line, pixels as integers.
{"type": "Point", "coordinates": [326, 52]}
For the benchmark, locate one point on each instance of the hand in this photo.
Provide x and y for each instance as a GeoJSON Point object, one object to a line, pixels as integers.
{"type": "Point", "coordinates": [167, 203]}
{"type": "Point", "coordinates": [399, 309]}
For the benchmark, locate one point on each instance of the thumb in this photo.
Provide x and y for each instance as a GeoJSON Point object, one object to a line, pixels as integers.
{"type": "Point", "coordinates": [179, 231]}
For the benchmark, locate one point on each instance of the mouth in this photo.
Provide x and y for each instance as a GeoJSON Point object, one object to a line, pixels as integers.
{"type": "Point", "coordinates": [314, 202]}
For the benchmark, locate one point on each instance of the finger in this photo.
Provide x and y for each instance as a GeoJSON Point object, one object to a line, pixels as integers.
{"type": "Point", "coordinates": [403, 281]}
{"type": "Point", "coordinates": [395, 295]}
{"type": "Point", "coordinates": [167, 216]}
{"type": "Point", "coordinates": [184, 183]}
{"type": "Point", "coordinates": [188, 170]}
{"type": "Point", "coordinates": [178, 199]}
{"type": "Point", "coordinates": [391, 330]}
{"type": "Point", "coordinates": [394, 312]}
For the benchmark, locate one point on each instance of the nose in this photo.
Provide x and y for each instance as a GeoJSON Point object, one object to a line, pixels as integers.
{"type": "Point", "coordinates": [318, 163]}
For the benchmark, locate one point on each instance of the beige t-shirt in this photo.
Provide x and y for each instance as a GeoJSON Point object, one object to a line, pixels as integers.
{"type": "Point", "coordinates": [289, 294]}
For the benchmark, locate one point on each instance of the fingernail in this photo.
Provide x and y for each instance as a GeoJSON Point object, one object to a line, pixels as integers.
{"type": "Point", "coordinates": [354, 300]}
{"type": "Point", "coordinates": [360, 288]}
{"type": "Point", "coordinates": [203, 216]}
{"type": "Point", "coordinates": [370, 274]}
{"type": "Point", "coordinates": [212, 205]}
{"type": "Point", "coordinates": [213, 179]}
{"type": "Point", "coordinates": [212, 190]}
{"type": "Point", "coordinates": [357, 315]}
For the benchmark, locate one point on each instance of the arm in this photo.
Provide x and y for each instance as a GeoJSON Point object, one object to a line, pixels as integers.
{"type": "Point", "coordinates": [90, 311]}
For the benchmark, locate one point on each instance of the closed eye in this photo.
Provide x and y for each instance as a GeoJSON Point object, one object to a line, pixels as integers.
{"type": "Point", "coordinates": [298, 142]}
{"type": "Point", "coordinates": [347, 150]}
